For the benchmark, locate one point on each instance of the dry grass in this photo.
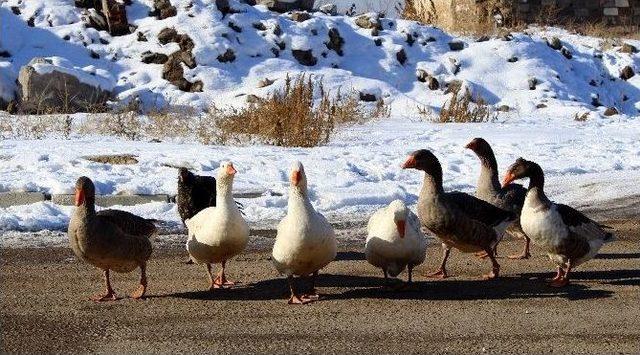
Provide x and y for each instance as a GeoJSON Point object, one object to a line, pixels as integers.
{"type": "Point", "coordinates": [581, 117]}
{"type": "Point", "coordinates": [292, 117]}
{"type": "Point", "coordinates": [461, 109]}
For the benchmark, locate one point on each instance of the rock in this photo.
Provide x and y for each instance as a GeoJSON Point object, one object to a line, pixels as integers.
{"type": "Point", "coordinates": [185, 42]}
{"type": "Point", "coordinates": [456, 45]}
{"type": "Point", "coordinates": [304, 57]}
{"type": "Point", "coordinates": [627, 73]}
{"type": "Point", "coordinates": [541, 105]}
{"type": "Point", "coordinates": [186, 58]}
{"type": "Point", "coordinates": [377, 42]}
{"type": "Point", "coordinates": [300, 16]}
{"type": "Point", "coordinates": [610, 111]}
{"type": "Point", "coordinates": [566, 53]}
{"type": "Point", "coordinates": [95, 19]}
{"type": "Point", "coordinates": [116, 15]}
{"type": "Point", "coordinates": [259, 26]}
{"type": "Point", "coordinates": [167, 35]}
{"type": "Point", "coordinates": [223, 6]}
{"type": "Point", "coordinates": [484, 38]}
{"type": "Point", "coordinates": [593, 83]}
{"type": "Point", "coordinates": [172, 70]}
{"type": "Point", "coordinates": [454, 65]}
{"type": "Point", "coordinates": [422, 75]}
{"type": "Point", "coordinates": [163, 9]}
{"type": "Point", "coordinates": [197, 86]}
{"type": "Point", "coordinates": [149, 57]}
{"type": "Point", "coordinates": [277, 30]}
{"type": "Point", "coordinates": [503, 108]}
{"type": "Point", "coordinates": [88, 4]}
{"type": "Point", "coordinates": [401, 56]}
{"type": "Point", "coordinates": [432, 83]}
{"type": "Point", "coordinates": [335, 41]}
{"type": "Point", "coordinates": [227, 56]}
{"type": "Point", "coordinates": [329, 9]}
{"type": "Point", "coordinates": [554, 43]}
{"type": "Point", "coordinates": [265, 82]}
{"type": "Point", "coordinates": [533, 82]}
{"type": "Point", "coordinates": [113, 159]}
{"type": "Point", "coordinates": [512, 59]}
{"type": "Point", "coordinates": [253, 99]}
{"type": "Point", "coordinates": [287, 5]}
{"type": "Point", "coordinates": [595, 100]}
{"type": "Point", "coordinates": [15, 10]}
{"type": "Point", "coordinates": [233, 26]}
{"type": "Point", "coordinates": [628, 48]}
{"type": "Point", "coordinates": [410, 40]}
{"type": "Point", "coordinates": [453, 86]}
{"type": "Point", "coordinates": [367, 97]}
{"type": "Point", "coordinates": [430, 39]}
{"type": "Point", "coordinates": [367, 22]}
{"type": "Point", "coordinates": [45, 86]}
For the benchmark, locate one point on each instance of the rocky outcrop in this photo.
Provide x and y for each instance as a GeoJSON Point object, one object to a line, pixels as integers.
{"type": "Point", "coordinates": [116, 15]}
{"type": "Point", "coordinates": [335, 41]}
{"type": "Point", "coordinates": [163, 9]}
{"type": "Point", "coordinates": [47, 87]}
{"type": "Point", "coordinates": [627, 73]}
{"type": "Point", "coordinates": [369, 22]}
{"type": "Point", "coordinates": [172, 70]}
{"type": "Point", "coordinates": [153, 58]}
{"type": "Point", "coordinates": [300, 16]}
{"type": "Point", "coordinates": [304, 57]}
{"type": "Point", "coordinates": [287, 5]}
{"type": "Point", "coordinates": [228, 56]}
{"type": "Point", "coordinates": [456, 45]}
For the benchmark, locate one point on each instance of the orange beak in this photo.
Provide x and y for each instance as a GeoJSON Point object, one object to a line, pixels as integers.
{"type": "Point", "coordinates": [409, 163]}
{"type": "Point", "coordinates": [296, 176]}
{"type": "Point", "coordinates": [508, 178]}
{"type": "Point", "coordinates": [231, 170]}
{"type": "Point", "coordinates": [79, 197]}
{"type": "Point", "coordinates": [401, 228]}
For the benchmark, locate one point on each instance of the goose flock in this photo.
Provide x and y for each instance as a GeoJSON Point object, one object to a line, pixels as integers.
{"type": "Point", "coordinates": [113, 240]}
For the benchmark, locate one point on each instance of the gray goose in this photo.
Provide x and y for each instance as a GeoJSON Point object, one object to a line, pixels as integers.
{"type": "Point", "coordinates": [569, 237]}
{"type": "Point", "coordinates": [458, 219]}
{"type": "Point", "coordinates": [509, 197]}
{"type": "Point", "coordinates": [110, 239]}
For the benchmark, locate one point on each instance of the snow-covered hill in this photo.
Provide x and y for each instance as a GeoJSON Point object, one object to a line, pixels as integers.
{"type": "Point", "coordinates": [262, 44]}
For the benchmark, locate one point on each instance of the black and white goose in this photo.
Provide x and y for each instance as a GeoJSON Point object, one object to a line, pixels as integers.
{"type": "Point", "coordinates": [509, 197]}
{"type": "Point", "coordinates": [569, 237]}
{"type": "Point", "coordinates": [458, 219]}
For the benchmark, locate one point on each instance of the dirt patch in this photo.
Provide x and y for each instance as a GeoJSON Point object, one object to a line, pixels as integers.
{"type": "Point", "coordinates": [113, 159]}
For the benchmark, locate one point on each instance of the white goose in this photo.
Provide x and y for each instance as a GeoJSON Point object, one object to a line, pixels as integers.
{"type": "Point", "coordinates": [219, 233]}
{"type": "Point", "coordinates": [394, 240]}
{"type": "Point", "coordinates": [305, 242]}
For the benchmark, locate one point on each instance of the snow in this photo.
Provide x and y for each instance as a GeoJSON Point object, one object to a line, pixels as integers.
{"type": "Point", "coordinates": [349, 178]}
{"type": "Point", "coordinates": [563, 84]}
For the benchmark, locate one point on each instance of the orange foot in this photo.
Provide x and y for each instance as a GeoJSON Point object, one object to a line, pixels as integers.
{"type": "Point", "coordinates": [521, 256]}
{"type": "Point", "coordinates": [220, 282]}
{"type": "Point", "coordinates": [313, 296]}
{"type": "Point", "coordinates": [562, 282]}
{"type": "Point", "coordinates": [139, 293]}
{"type": "Point", "coordinates": [438, 274]}
{"type": "Point", "coordinates": [495, 272]}
{"type": "Point", "coordinates": [298, 300]}
{"type": "Point", "coordinates": [109, 296]}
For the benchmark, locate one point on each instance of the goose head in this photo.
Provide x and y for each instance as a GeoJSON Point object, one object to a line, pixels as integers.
{"type": "Point", "coordinates": [85, 191]}
{"type": "Point", "coordinates": [521, 169]}
{"type": "Point", "coordinates": [226, 173]}
{"type": "Point", "coordinates": [399, 210]}
{"type": "Point", "coordinates": [424, 160]}
{"type": "Point", "coordinates": [298, 178]}
{"type": "Point", "coordinates": [481, 147]}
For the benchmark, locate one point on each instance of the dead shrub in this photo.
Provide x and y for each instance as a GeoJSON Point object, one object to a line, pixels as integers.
{"type": "Point", "coordinates": [461, 109]}
{"type": "Point", "coordinates": [289, 118]}
{"type": "Point", "coordinates": [169, 123]}
{"type": "Point", "coordinates": [581, 117]}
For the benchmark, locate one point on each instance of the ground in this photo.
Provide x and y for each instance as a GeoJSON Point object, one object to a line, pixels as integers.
{"type": "Point", "coordinates": [45, 307]}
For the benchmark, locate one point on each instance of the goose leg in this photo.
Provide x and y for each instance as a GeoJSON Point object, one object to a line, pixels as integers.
{"type": "Point", "coordinates": [142, 289]}
{"type": "Point", "coordinates": [221, 280]}
{"type": "Point", "coordinates": [313, 295]}
{"type": "Point", "coordinates": [495, 270]}
{"type": "Point", "coordinates": [110, 295]}
{"type": "Point", "coordinates": [210, 275]}
{"type": "Point", "coordinates": [559, 274]}
{"type": "Point", "coordinates": [441, 273]}
{"type": "Point", "coordinates": [295, 299]}
{"type": "Point", "coordinates": [564, 279]}
{"type": "Point", "coordinates": [525, 253]}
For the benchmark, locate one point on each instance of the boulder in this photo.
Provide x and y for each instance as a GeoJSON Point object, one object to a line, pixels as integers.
{"type": "Point", "coordinates": [335, 41]}
{"type": "Point", "coordinates": [95, 19]}
{"type": "Point", "coordinates": [401, 56]}
{"type": "Point", "coordinates": [173, 72]}
{"type": "Point", "coordinates": [456, 45]}
{"type": "Point", "coordinates": [432, 83]}
{"type": "Point", "coordinates": [422, 75]}
{"type": "Point", "coordinates": [265, 82]}
{"type": "Point", "coordinates": [59, 87]}
{"type": "Point", "coordinates": [116, 15]}
{"type": "Point", "coordinates": [369, 22]}
{"type": "Point", "coordinates": [329, 9]}
{"type": "Point", "coordinates": [554, 43]}
{"type": "Point", "coordinates": [286, 5]}
{"type": "Point", "coordinates": [167, 35]}
{"type": "Point", "coordinates": [566, 53]}
{"type": "Point", "coordinates": [304, 57]}
{"type": "Point", "coordinates": [367, 97]}
{"type": "Point", "coordinates": [300, 16]}
{"type": "Point", "coordinates": [610, 111]}
{"type": "Point", "coordinates": [627, 73]}
{"type": "Point", "coordinates": [533, 82]}
{"type": "Point", "coordinates": [227, 56]}
{"type": "Point", "coordinates": [163, 9]}
{"type": "Point", "coordinates": [149, 57]}
{"type": "Point", "coordinates": [628, 48]}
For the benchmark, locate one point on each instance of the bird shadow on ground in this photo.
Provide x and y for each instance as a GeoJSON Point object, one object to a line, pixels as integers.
{"type": "Point", "coordinates": [612, 277]}
{"type": "Point", "coordinates": [361, 287]}
{"type": "Point", "coordinates": [618, 256]}
{"type": "Point", "coordinates": [349, 255]}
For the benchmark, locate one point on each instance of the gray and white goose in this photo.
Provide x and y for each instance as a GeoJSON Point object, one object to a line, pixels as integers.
{"type": "Point", "coordinates": [458, 219]}
{"type": "Point", "coordinates": [569, 237]}
{"type": "Point", "coordinates": [509, 197]}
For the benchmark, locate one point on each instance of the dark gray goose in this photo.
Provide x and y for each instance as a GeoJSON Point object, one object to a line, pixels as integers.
{"type": "Point", "coordinates": [569, 237]}
{"type": "Point", "coordinates": [509, 197]}
{"type": "Point", "coordinates": [458, 219]}
{"type": "Point", "coordinates": [110, 239]}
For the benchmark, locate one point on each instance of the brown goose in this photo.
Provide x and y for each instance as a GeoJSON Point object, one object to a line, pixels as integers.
{"type": "Point", "coordinates": [458, 219]}
{"type": "Point", "coordinates": [569, 237]}
{"type": "Point", "coordinates": [509, 197]}
{"type": "Point", "coordinates": [110, 239]}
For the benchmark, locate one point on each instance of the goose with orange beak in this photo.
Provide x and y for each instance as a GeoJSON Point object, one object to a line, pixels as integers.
{"type": "Point", "coordinates": [110, 240]}
{"type": "Point", "coordinates": [460, 220]}
{"type": "Point", "coordinates": [567, 236]}
{"type": "Point", "coordinates": [216, 234]}
{"type": "Point", "coordinates": [305, 241]}
{"type": "Point", "coordinates": [395, 241]}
